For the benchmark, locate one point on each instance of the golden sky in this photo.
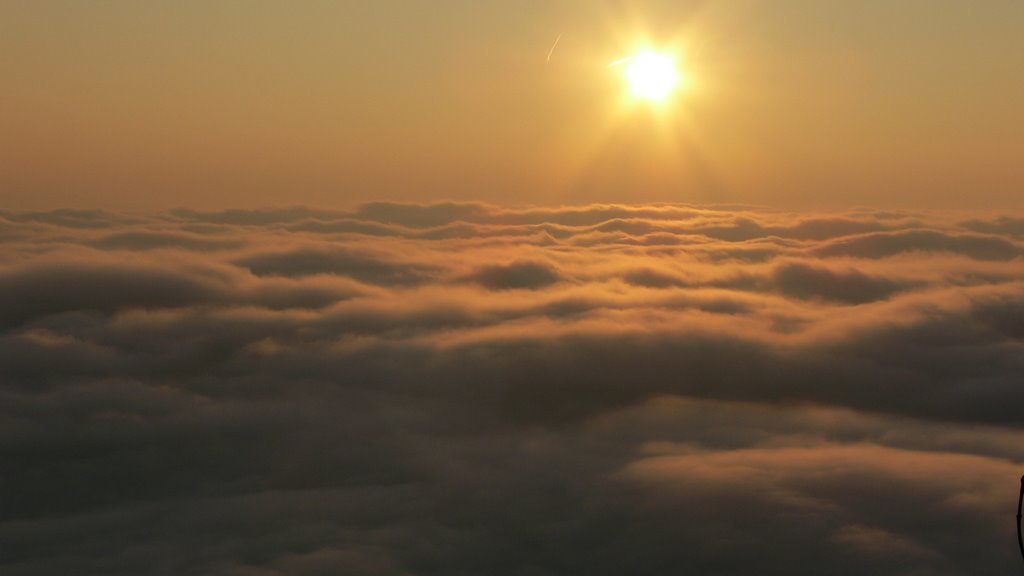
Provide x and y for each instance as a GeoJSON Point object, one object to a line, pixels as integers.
{"type": "Point", "coordinates": [830, 103]}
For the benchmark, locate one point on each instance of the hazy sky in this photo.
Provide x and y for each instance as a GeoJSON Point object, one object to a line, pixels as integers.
{"type": "Point", "coordinates": [128, 104]}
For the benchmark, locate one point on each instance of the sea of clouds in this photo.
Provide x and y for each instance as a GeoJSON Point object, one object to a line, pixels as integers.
{"type": "Point", "coordinates": [465, 389]}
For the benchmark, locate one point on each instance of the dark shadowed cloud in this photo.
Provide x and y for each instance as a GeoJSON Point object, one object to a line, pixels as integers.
{"type": "Point", "coordinates": [154, 240]}
{"type": "Point", "coordinates": [528, 275]}
{"type": "Point", "coordinates": [851, 286]}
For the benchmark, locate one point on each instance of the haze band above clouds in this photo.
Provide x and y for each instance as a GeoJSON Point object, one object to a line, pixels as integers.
{"type": "Point", "coordinates": [470, 389]}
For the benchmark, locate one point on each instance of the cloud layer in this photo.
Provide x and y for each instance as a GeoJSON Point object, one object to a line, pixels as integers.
{"type": "Point", "coordinates": [469, 389]}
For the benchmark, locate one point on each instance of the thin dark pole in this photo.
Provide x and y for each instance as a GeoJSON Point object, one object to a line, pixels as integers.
{"type": "Point", "coordinates": [1020, 500]}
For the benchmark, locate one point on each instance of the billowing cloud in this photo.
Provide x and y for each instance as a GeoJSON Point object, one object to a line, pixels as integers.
{"type": "Point", "coordinates": [472, 389]}
{"type": "Point", "coordinates": [369, 268]}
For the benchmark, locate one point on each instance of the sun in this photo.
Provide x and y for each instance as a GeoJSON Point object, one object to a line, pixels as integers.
{"type": "Point", "coordinates": [652, 76]}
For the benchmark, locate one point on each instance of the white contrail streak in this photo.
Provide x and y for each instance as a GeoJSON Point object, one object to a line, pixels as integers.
{"type": "Point", "coordinates": [620, 61]}
{"type": "Point", "coordinates": [552, 51]}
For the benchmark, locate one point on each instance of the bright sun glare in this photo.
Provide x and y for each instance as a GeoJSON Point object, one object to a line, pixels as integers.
{"type": "Point", "coordinates": [652, 76]}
